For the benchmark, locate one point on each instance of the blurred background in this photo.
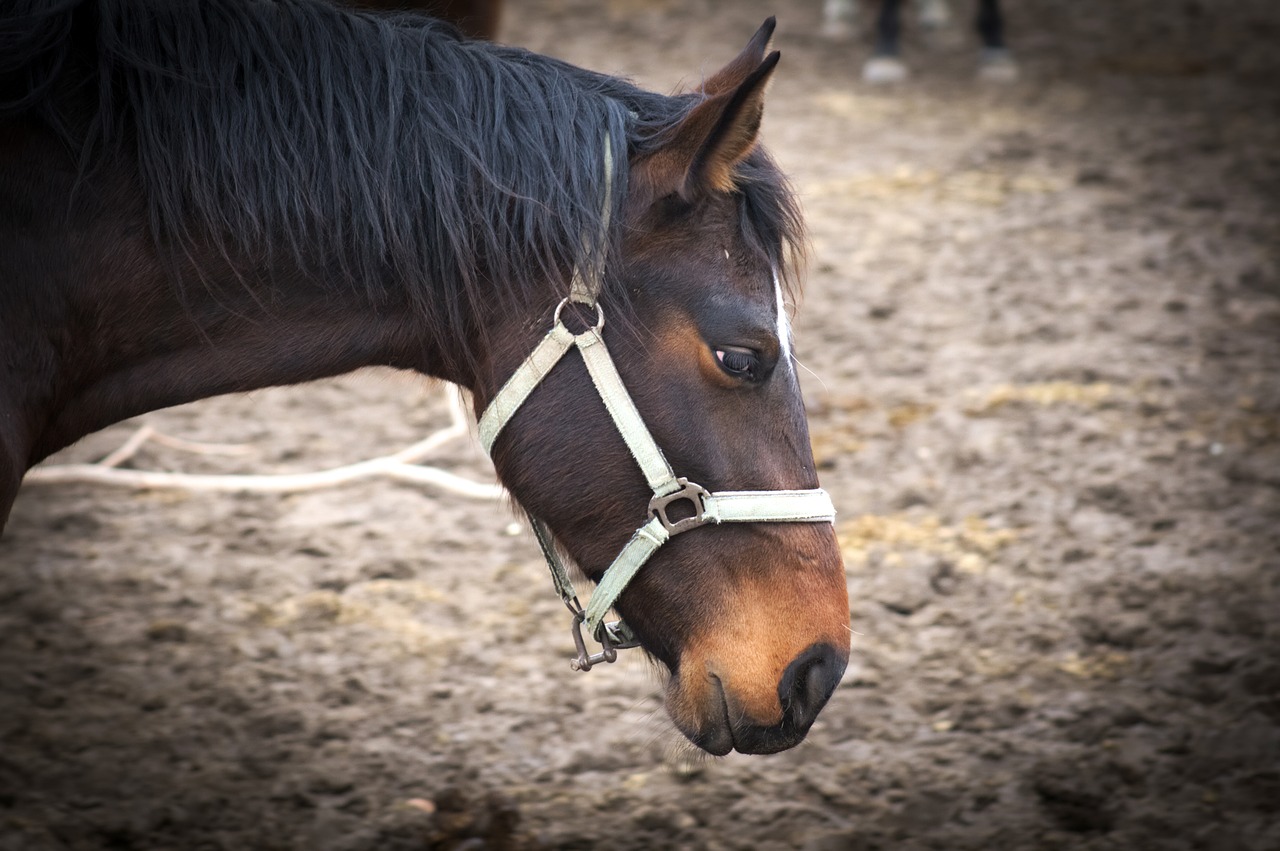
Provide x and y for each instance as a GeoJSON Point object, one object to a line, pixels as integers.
{"type": "Point", "coordinates": [1042, 328]}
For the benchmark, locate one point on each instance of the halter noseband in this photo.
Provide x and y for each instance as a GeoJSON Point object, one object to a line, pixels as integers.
{"type": "Point", "coordinates": [777, 506]}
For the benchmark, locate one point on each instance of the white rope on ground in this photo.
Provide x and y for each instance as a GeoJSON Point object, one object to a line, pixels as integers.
{"type": "Point", "coordinates": [400, 466]}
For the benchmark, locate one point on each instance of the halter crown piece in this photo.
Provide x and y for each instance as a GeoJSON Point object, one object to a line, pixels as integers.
{"type": "Point", "coordinates": [777, 506]}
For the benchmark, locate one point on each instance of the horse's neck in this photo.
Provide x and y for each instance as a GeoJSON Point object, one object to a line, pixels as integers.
{"type": "Point", "coordinates": [131, 339]}
{"type": "Point", "coordinates": [96, 326]}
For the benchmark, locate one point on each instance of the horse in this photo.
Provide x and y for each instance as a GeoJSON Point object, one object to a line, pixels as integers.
{"type": "Point", "coordinates": [201, 197]}
{"type": "Point", "coordinates": [996, 62]}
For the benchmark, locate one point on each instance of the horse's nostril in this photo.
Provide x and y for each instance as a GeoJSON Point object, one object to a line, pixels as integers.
{"type": "Point", "coordinates": [807, 683]}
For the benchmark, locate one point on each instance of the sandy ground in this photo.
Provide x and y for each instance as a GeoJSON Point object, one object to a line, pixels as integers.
{"type": "Point", "coordinates": [1043, 322]}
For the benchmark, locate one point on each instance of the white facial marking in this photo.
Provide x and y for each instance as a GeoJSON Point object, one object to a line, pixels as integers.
{"type": "Point", "coordinates": [784, 323]}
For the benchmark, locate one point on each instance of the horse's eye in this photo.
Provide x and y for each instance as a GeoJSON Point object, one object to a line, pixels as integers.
{"type": "Point", "coordinates": [739, 362]}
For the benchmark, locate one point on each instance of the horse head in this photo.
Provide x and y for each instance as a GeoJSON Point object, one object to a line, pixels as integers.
{"type": "Point", "coordinates": [751, 619]}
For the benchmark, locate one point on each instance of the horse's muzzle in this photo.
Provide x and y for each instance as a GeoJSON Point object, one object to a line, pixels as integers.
{"type": "Point", "coordinates": [806, 685]}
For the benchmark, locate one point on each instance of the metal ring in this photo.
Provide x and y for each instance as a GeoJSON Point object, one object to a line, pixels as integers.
{"type": "Point", "coordinates": [555, 320]}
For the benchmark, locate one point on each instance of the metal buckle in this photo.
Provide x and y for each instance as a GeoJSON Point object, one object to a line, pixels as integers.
{"type": "Point", "coordinates": [620, 635]}
{"type": "Point", "coordinates": [694, 493]}
{"type": "Point", "coordinates": [613, 637]}
{"type": "Point", "coordinates": [584, 660]}
{"type": "Point", "coordinates": [555, 320]}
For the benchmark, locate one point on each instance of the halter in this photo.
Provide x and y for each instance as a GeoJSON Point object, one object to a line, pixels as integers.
{"type": "Point", "coordinates": [776, 506]}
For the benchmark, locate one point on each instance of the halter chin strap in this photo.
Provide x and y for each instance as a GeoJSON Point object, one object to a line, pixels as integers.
{"type": "Point", "coordinates": [701, 507]}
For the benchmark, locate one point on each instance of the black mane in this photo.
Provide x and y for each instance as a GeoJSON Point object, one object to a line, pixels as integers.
{"type": "Point", "coordinates": [385, 153]}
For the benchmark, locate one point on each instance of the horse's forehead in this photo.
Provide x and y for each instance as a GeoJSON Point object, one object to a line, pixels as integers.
{"type": "Point", "coordinates": [722, 275]}
{"type": "Point", "coordinates": [748, 270]}
{"type": "Point", "coordinates": [754, 281]}
{"type": "Point", "coordinates": [712, 246]}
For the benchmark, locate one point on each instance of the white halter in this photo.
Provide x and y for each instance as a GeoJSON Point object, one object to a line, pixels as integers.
{"type": "Point", "coordinates": [777, 506]}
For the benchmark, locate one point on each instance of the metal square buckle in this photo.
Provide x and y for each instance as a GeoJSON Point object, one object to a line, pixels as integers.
{"type": "Point", "coordinates": [689, 491]}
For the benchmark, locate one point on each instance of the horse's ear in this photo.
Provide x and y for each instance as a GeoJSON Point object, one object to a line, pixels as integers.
{"type": "Point", "coordinates": [736, 72]}
{"type": "Point", "coordinates": [702, 150]}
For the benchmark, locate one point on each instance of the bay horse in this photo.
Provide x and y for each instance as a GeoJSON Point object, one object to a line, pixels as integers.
{"type": "Point", "coordinates": [201, 197]}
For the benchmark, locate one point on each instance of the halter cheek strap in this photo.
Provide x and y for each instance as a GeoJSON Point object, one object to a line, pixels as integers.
{"type": "Point", "coordinates": [704, 507]}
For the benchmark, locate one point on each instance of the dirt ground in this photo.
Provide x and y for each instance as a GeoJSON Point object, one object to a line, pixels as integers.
{"type": "Point", "coordinates": [1043, 324]}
